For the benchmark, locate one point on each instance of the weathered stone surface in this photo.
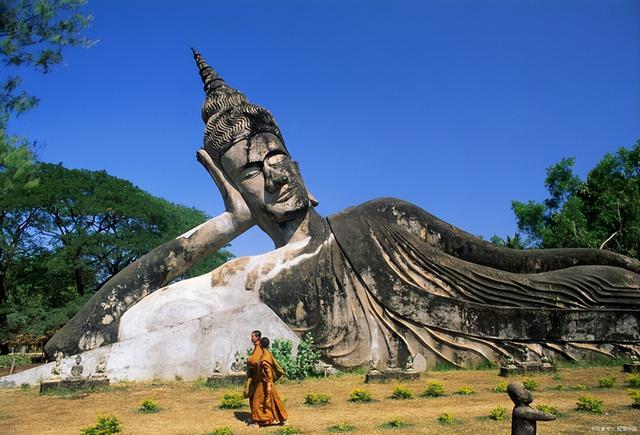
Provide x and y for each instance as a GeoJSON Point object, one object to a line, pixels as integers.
{"type": "Point", "coordinates": [221, 380]}
{"type": "Point", "coordinates": [73, 385]}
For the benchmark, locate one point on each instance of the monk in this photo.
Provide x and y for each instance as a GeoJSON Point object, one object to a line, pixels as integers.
{"type": "Point", "coordinates": [266, 406]}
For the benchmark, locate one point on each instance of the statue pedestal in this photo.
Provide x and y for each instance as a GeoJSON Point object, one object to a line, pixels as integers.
{"type": "Point", "coordinates": [395, 375]}
{"type": "Point", "coordinates": [73, 385]}
{"type": "Point", "coordinates": [631, 367]}
{"type": "Point", "coordinates": [527, 368]}
{"type": "Point", "coordinates": [220, 380]}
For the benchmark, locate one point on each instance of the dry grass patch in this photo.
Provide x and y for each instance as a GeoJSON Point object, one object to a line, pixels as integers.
{"type": "Point", "coordinates": [189, 410]}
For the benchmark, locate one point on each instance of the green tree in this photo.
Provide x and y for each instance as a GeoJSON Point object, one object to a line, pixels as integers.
{"type": "Point", "coordinates": [33, 33]}
{"type": "Point", "coordinates": [79, 228]}
{"type": "Point", "coordinates": [602, 211]}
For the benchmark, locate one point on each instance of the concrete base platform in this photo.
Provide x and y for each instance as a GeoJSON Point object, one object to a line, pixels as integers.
{"type": "Point", "coordinates": [73, 385]}
{"type": "Point", "coordinates": [394, 376]}
{"type": "Point", "coordinates": [229, 379]}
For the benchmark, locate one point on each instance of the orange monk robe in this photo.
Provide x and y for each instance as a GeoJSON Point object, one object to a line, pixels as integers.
{"type": "Point", "coordinates": [266, 406]}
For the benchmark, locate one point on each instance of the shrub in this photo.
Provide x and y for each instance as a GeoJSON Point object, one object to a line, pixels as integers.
{"type": "Point", "coordinates": [21, 360]}
{"type": "Point", "coordinates": [465, 390]}
{"type": "Point", "coordinates": [434, 389]}
{"type": "Point", "coordinates": [395, 423]}
{"type": "Point", "coordinates": [305, 361]}
{"type": "Point", "coordinates": [148, 407]}
{"type": "Point", "coordinates": [633, 380]}
{"type": "Point", "coordinates": [606, 381]}
{"type": "Point", "coordinates": [581, 387]}
{"type": "Point", "coordinates": [360, 395]}
{"type": "Point", "coordinates": [224, 430]}
{"type": "Point", "coordinates": [590, 404]}
{"type": "Point", "coordinates": [105, 425]}
{"type": "Point", "coordinates": [500, 387]}
{"type": "Point", "coordinates": [558, 387]}
{"type": "Point", "coordinates": [288, 430]}
{"type": "Point", "coordinates": [316, 399]}
{"type": "Point", "coordinates": [25, 386]}
{"type": "Point", "coordinates": [499, 413]}
{"type": "Point", "coordinates": [548, 409]}
{"type": "Point", "coordinates": [401, 393]}
{"type": "Point", "coordinates": [530, 384]}
{"type": "Point", "coordinates": [232, 401]}
{"type": "Point", "coordinates": [341, 427]}
{"type": "Point", "coordinates": [635, 397]}
{"type": "Point", "coordinates": [446, 418]}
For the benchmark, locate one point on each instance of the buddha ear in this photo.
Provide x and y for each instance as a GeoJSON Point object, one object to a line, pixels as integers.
{"type": "Point", "coordinates": [312, 199]}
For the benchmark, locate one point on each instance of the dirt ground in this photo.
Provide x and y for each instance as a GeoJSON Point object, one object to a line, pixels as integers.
{"type": "Point", "coordinates": [190, 408]}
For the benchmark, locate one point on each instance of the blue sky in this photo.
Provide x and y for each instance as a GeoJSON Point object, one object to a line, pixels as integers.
{"type": "Point", "coordinates": [455, 106]}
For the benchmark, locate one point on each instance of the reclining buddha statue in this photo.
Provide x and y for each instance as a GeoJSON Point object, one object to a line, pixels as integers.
{"type": "Point", "coordinates": [382, 281]}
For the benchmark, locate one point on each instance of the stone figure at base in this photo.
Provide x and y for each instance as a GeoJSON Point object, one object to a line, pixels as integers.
{"type": "Point", "coordinates": [376, 281]}
{"type": "Point", "coordinates": [56, 370]}
{"type": "Point", "coordinates": [77, 369]}
{"type": "Point", "coordinates": [524, 419]}
{"type": "Point", "coordinates": [101, 369]}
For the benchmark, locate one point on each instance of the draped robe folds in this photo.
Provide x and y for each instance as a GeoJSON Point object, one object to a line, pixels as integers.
{"type": "Point", "coordinates": [387, 280]}
{"type": "Point", "coordinates": [266, 407]}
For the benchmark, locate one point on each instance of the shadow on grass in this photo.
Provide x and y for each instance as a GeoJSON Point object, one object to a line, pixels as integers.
{"type": "Point", "coordinates": [242, 416]}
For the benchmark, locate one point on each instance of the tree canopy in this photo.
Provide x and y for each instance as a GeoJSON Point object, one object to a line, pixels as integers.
{"type": "Point", "coordinates": [602, 211]}
{"type": "Point", "coordinates": [64, 238]}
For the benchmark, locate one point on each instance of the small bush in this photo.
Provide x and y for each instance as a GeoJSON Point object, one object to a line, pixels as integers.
{"type": "Point", "coordinates": [581, 387]}
{"type": "Point", "coordinates": [316, 399]}
{"type": "Point", "coordinates": [360, 395]}
{"type": "Point", "coordinates": [341, 427]}
{"type": "Point", "coordinates": [434, 389]}
{"type": "Point", "coordinates": [148, 407]}
{"type": "Point", "coordinates": [105, 425]}
{"type": "Point", "coordinates": [21, 360]}
{"type": "Point", "coordinates": [633, 381]}
{"type": "Point", "coordinates": [606, 381]}
{"type": "Point", "coordinates": [590, 404]}
{"type": "Point", "coordinates": [548, 409]}
{"type": "Point", "coordinates": [558, 387]}
{"type": "Point", "coordinates": [232, 401]}
{"type": "Point", "coordinates": [395, 423]}
{"type": "Point", "coordinates": [465, 390]}
{"type": "Point", "coordinates": [556, 377]}
{"type": "Point", "coordinates": [25, 386]}
{"type": "Point", "coordinates": [446, 418]}
{"type": "Point", "coordinates": [635, 398]}
{"type": "Point", "coordinates": [224, 430]}
{"type": "Point", "coordinates": [530, 384]}
{"type": "Point", "coordinates": [288, 430]}
{"type": "Point", "coordinates": [498, 414]}
{"type": "Point", "coordinates": [500, 387]}
{"type": "Point", "coordinates": [401, 393]}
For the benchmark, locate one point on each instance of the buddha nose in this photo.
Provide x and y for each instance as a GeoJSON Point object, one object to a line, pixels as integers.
{"type": "Point", "coordinates": [274, 178]}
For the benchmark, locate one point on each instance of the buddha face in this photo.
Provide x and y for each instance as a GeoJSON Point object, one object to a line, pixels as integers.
{"type": "Point", "coordinates": [266, 177]}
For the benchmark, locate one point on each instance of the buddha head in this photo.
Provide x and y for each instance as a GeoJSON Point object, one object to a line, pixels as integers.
{"type": "Point", "coordinates": [245, 143]}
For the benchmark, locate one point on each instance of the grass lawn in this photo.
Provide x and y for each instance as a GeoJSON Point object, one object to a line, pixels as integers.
{"type": "Point", "coordinates": [190, 408]}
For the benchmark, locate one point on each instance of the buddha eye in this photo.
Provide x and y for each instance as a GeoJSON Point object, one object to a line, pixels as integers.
{"type": "Point", "coordinates": [276, 159]}
{"type": "Point", "coordinates": [250, 172]}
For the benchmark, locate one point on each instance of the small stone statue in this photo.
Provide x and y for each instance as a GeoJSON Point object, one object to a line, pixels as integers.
{"type": "Point", "coordinates": [238, 365]}
{"type": "Point", "coordinates": [57, 368]}
{"type": "Point", "coordinates": [545, 360]}
{"type": "Point", "coordinates": [322, 368]}
{"type": "Point", "coordinates": [101, 368]}
{"type": "Point", "coordinates": [409, 366]}
{"type": "Point", "coordinates": [634, 359]}
{"type": "Point", "coordinates": [373, 369]}
{"type": "Point", "coordinates": [524, 418]}
{"type": "Point", "coordinates": [526, 357]}
{"type": "Point", "coordinates": [216, 367]}
{"type": "Point", "coordinates": [76, 370]}
{"type": "Point", "coordinates": [511, 362]}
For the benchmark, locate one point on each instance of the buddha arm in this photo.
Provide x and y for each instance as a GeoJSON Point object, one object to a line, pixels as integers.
{"type": "Point", "coordinates": [96, 324]}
